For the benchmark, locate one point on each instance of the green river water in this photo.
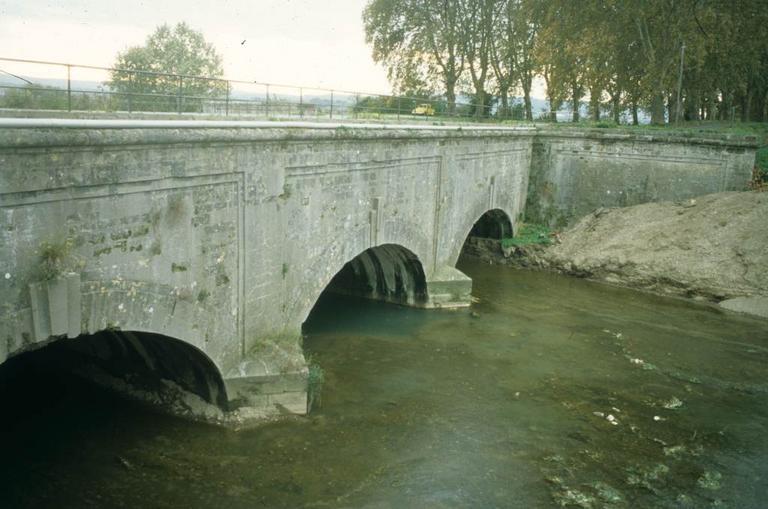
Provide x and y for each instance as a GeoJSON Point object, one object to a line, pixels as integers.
{"type": "Point", "coordinates": [549, 392]}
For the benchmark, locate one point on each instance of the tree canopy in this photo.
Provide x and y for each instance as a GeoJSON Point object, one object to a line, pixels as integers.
{"type": "Point", "coordinates": [621, 55]}
{"type": "Point", "coordinates": [147, 73]}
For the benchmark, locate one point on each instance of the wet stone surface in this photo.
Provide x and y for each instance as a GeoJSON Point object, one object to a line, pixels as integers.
{"type": "Point", "coordinates": [550, 392]}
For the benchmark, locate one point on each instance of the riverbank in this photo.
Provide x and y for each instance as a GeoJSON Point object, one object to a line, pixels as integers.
{"type": "Point", "coordinates": [713, 248]}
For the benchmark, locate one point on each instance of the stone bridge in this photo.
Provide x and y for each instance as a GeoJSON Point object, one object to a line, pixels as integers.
{"type": "Point", "coordinates": [198, 249]}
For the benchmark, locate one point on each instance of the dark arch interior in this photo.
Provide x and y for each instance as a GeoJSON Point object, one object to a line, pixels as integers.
{"type": "Point", "coordinates": [133, 363]}
{"type": "Point", "coordinates": [388, 273]}
{"type": "Point", "coordinates": [485, 236]}
{"type": "Point", "coordinates": [494, 224]}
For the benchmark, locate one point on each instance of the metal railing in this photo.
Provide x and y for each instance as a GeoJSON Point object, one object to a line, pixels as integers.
{"type": "Point", "coordinates": [40, 85]}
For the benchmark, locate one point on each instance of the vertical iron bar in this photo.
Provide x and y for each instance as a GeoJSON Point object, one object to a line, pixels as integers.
{"type": "Point", "coordinates": [301, 102]}
{"type": "Point", "coordinates": [331, 104]}
{"type": "Point", "coordinates": [357, 104]}
{"type": "Point", "coordinates": [130, 92]}
{"type": "Point", "coordinates": [398, 107]}
{"type": "Point", "coordinates": [226, 103]}
{"type": "Point", "coordinates": [178, 98]}
{"type": "Point", "coordinates": [266, 108]}
{"type": "Point", "coordinates": [69, 87]}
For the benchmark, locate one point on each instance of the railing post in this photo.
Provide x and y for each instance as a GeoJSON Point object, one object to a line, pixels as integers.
{"type": "Point", "coordinates": [130, 93]}
{"type": "Point", "coordinates": [398, 108]}
{"type": "Point", "coordinates": [69, 87]}
{"type": "Point", "coordinates": [226, 103]}
{"type": "Point", "coordinates": [266, 108]}
{"type": "Point", "coordinates": [331, 105]}
{"type": "Point", "coordinates": [178, 98]}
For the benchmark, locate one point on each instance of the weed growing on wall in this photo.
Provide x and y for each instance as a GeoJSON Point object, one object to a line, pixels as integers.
{"type": "Point", "coordinates": [54, 259]}
{"type": "Point", "coordinates": [315, 380]}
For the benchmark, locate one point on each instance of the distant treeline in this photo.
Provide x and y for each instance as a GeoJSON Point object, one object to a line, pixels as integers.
{"type": "Point", "coordinates": [620, 55]}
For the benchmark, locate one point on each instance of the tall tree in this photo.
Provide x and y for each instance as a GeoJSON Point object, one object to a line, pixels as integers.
{"type": "Point", "coordinates": [418, 41]}
{"type": "Point", "coordinates": [479, 16]}
{"type": "Point", "coordinates": [149, 71]}
{"type": "Point", "coordinates": [526, 22]}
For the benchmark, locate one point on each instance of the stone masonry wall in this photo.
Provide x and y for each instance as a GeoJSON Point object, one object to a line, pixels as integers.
{"type": "Point", "coordinates": [224, 237]}
{"type": "Point", "coordinates": [577, 171]}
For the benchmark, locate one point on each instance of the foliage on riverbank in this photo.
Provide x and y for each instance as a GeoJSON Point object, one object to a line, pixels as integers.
{"type": "Point", "coordinates": [529, 234]}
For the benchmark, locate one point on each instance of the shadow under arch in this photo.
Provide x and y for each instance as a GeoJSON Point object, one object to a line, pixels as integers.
{"type": "Point", "coordinates": [145, 366]}
{"type": "Point", "coordinates": [486, 233]}
{"type": "Point", "coordinates": [388, 272]}
{"type": "Point", "coordinates": [493, 224]}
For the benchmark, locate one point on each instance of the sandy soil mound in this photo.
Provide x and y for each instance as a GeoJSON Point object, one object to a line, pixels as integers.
{"type": "Point", "coordinates": [714, 248]}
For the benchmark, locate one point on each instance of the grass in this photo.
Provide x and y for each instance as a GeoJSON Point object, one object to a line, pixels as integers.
{"type": "Point", "coordinates": [529, 234]}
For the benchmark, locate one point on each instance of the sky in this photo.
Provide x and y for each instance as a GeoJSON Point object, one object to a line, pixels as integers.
{"type": "Point", "coordinates": [317, 43]}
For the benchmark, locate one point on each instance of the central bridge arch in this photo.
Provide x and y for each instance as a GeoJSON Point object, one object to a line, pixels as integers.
{"type": "Point", "coordinates": [387, 272]}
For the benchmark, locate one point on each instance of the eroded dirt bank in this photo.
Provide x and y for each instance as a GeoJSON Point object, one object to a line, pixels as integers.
{"type": "Point", "coordinates": [713, 248]}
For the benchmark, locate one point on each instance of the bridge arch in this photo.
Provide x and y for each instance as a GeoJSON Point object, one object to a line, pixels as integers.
{"type": "Point", "coordinates": [387, 272]}
{"type": "Point", "coordinates": [493, 224]}
{"type": "Point", "coordinates": [166, 372]}
{"type": "Point", "coordinates": [483, 222]}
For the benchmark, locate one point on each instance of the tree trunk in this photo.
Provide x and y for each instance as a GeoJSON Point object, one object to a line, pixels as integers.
{"type": "Point", "coordinates": [725, 106]}
{"type": "Point", "coordinates": [671, 108]}
{"type": "Point", "coordinates": [480, 103]}
{"type": "Point", "coordinates": [746, 104]}
{"type": "Point", "coordinates": [528, 105]}
{"type": "Point", "coordinates": [765, 106]}
{"type": "Point", "coordinates": [504, 93]}
{"type": "Point", "coordinates": [713, 107]}
{"type": "Point", "coordinates": [657, 109]}
{"type": "Point", "coordinates": [526, 83]}
{"type": "Point", "coordinates": [756, 105]}
{"type": "Point", "coordinates": [635, 119]}
{"type": "Point", "coordinates": [616, 106]}
{"type": "Point", "coordinates": [575, 101]}
{"type": "Point", "coordinates": [450, 95]}
{"type": "Point", "coordinates": [553, 107]}
{"type": "Point", "coordinates": [691, 104]}
{"type": "Point", "coordinates": [594, 104]}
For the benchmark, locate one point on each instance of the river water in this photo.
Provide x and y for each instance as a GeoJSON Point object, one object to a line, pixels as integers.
{"type": "Point", "coordinates": [549, 392]}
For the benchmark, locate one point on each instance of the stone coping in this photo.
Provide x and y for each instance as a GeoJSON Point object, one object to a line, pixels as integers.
{"type": "Point", "coordinates": [50, 132]}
